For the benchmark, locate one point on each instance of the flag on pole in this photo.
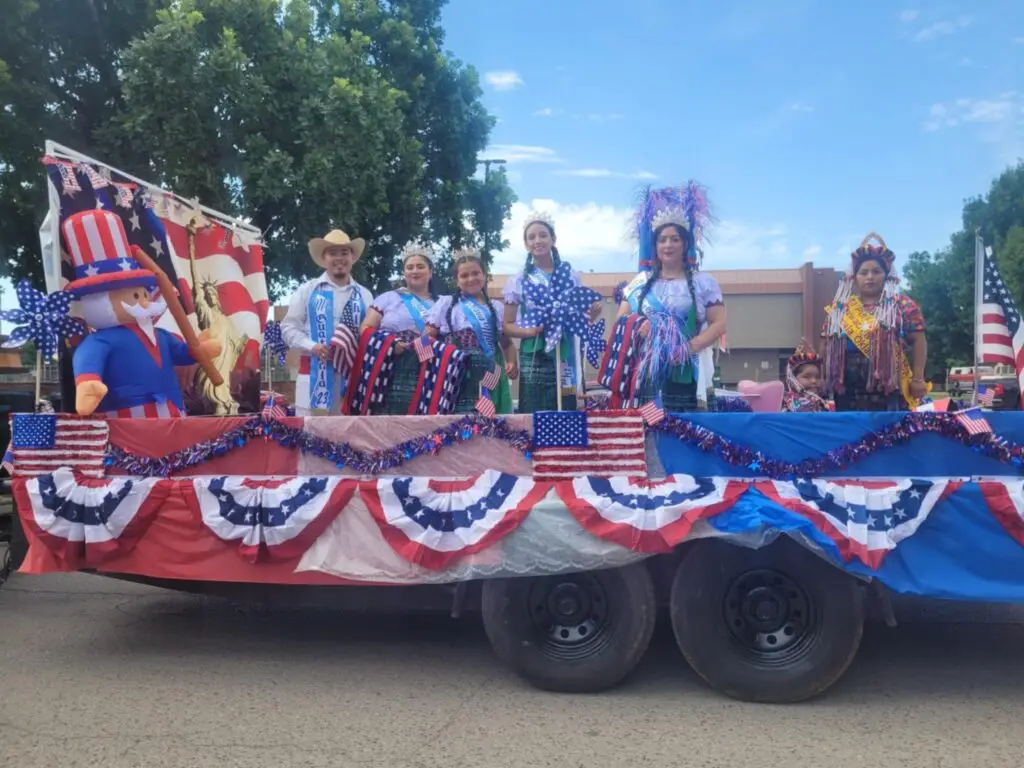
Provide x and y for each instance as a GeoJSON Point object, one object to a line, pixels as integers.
{"type": "Point", "coordinates": [999, 337]}
{"type": "Point", "coordinates": [986, 396]}
{"type": "Point", "coordinates": [972, 421]}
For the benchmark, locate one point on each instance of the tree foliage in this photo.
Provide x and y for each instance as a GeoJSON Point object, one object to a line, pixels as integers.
{"type": "Point", "coordinates": [943, 283]}
{"type": "Point", "coordinates": [300, 116]}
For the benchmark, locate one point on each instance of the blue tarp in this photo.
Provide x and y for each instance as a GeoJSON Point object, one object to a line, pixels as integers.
{"type": "Point", "coordinates": [961, 551]}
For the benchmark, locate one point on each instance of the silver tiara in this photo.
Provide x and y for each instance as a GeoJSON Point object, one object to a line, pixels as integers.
{"type": "Point", "coordinates": [461, 253]}
{"type": "Point", "coordinates": [416, 249]}
{"type": "Point", "coordinates": [539, 217]}
{"type": "Point", "coordinates": [673, 215]}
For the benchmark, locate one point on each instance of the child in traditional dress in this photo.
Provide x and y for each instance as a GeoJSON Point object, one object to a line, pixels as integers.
{"type": "Point", "coordinates": [539, 381]}
{"type": "Point", "coordinates": [472, 322]}
{"type": "Point", "coordinates": [803, 384]}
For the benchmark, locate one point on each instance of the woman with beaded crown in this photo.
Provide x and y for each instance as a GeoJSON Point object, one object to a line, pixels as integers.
{"type": "Point", "coordinates": [875, 348]}
{"type": "Point", "coordinates": [539, 379]}
{"type": "Point", "coordinates": [682, 307]}
{"type": "Point", "coordinates": [803, 383]}
{"type": "Point", "coordinates": [471, 321]}
{"type": "Point", "coordinates": [403, 312]}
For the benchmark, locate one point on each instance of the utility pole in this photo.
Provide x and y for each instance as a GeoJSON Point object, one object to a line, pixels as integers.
{"type": "Point", "coordinates": [487, 175]}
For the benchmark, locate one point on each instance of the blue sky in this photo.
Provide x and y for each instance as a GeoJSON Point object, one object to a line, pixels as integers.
{"type": "Point", "coordinates": [812, 122]}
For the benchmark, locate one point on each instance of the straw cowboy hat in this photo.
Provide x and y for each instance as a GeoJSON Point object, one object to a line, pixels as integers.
{"type": "Point", "coordinates": [335, 237]}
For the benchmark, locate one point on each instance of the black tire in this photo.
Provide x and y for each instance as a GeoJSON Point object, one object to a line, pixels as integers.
{"type": "Point", "coordinates": [17, 547]}
{"type": "Point", "coordinates": [577, 633]}
{"type": "Point", "coordinates": [775, 625]}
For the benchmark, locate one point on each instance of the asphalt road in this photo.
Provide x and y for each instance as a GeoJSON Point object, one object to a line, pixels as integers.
{"type": "Point", "coordinates": [95, 672]}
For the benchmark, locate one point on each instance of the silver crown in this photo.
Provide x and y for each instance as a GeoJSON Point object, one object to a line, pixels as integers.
{"type": "Point", "coordinates": [538, 217]}
{"type": "Point", "coordinates": [462, 253]}
{"type": "Point", "coordinates": [416, 249]}
{"type": "Point", "coordinates": [674, 215]}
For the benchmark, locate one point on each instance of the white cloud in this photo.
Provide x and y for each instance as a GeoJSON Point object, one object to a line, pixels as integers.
{"type": "Point", "coordinates": [545, 112]}
{"type": "Point", "coordinates": [604, 173]}
{"type": "Point", "coordinates": [941, 29]}
{"type": "Point", "coordinates": [521, 153]}
{"type": "Point", "coordinates": [1005, 110]}
{"type": "Point", "coordinates": [1019, 40]}
{"type": "Point", "coordinates": [811, 251]}
{"type": "Point", "coordinates": [799, 106]}
{"type": "Point", "coordinates": [598, 237]}
{"type": "Point", "coordinates": [909, 15]}
{"type": "Point", "coordinates": [605, 118]}
{"type": "Point", "coordinates": [503, 80]}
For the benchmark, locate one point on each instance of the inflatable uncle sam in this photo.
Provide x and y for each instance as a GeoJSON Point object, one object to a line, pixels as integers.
{"type": "Point", "coordinates": [125, 367]}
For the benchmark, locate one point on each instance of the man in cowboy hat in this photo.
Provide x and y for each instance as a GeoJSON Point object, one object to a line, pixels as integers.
{"type": "Point", "coordinates": [315, 310]}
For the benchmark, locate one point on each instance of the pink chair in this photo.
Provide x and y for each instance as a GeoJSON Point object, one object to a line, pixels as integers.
{"type": "Point", "coordinates": [764, 397]}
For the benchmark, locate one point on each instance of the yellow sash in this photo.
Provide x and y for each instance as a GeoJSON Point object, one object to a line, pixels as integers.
{"type": "Point", "coordinates": [859, 324]}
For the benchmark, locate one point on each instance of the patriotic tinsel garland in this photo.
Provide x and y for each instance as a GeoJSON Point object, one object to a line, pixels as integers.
{"type": "Point", "coordinates": [342, 455]}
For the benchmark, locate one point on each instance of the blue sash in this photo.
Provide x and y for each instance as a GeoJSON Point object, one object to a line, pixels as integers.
{"type": "Point", "coordinates": [656, 305]}
{"type": "Point", "coordinates": [479, 317]}
{"type": "Point", "coordinates": [321, 328]}
{"type": "Point", "coordinates": [417, 309]}
{"type": "Point", "coordinates": [354, 311]}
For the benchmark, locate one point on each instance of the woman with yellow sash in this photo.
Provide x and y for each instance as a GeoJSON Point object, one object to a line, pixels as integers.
{"type": "Point", "coordinates": [874, 337]}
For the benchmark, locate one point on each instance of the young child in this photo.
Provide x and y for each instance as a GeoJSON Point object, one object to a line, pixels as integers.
{"type": "Point", "coordinates": [473, 323]}
{"type": "Point", "coordinates": [803, 384]}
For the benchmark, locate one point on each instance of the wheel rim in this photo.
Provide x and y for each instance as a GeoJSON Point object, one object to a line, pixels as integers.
{"type": "Point", "coordinates": [771, 617]}
{"type": "Point", "coordinates": [570, 616]}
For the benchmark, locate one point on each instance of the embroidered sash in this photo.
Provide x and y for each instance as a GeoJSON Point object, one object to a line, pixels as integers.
{"type": "Point", "coordinates": [321, 325]}
{"type": "Point", "coordinates": [417, 309]}
{"type": "Point", "coordinates": [859, 325]}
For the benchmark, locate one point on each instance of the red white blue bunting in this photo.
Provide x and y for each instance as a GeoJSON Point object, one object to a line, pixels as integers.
{"type": "Point", "coordinates": [866, 520]}
{"type": "Point", "coordinates": [273, 519]}
{"type": "Point", "coordinates": [647, 516]}
{"type": "Point", "coordinates": [84, 521]}
{"type": "Point", "coordinates": [435, 522]}
{"type": "Point", "coordinates": [1005, 499]}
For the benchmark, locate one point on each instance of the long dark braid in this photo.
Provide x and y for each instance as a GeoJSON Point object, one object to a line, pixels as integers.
{"type": "Point", "coordinates": [456, 298]}
{"type": "Point", "coordinates": [490, 306]}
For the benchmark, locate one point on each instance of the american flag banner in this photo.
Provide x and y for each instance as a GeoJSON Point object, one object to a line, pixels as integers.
{"type": "Point", "coordinates": [42, 443]}
{"type": "Point", "coordinates": [570, 444]}
{"type": "Point", "coordinates": [1000, 337]}
{"type": "Point", "coordinates": [491, 379]}
{"type": "Point", "coordinates": [227, 270]}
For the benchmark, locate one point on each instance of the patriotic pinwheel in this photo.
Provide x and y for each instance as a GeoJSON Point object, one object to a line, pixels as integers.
{"type": "Point", "coordinates": [595, 342]}
{"type": "Point", "coordinates": [42, 318]}
{"type": "Point", "coordinates": [561, 307]}
{"type": "Point", "coordinates": [273, 341]}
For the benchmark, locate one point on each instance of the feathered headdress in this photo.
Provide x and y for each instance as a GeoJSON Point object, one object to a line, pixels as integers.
{"type": "Point", "coordinates": [866, 252]}
{"type": "Point", "coordinates": [686, 206]}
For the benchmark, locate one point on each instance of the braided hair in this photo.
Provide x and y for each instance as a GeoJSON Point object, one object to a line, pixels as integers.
{"type": "Point", "coordinates": [471, 257]}
{"type": "Point", "coordinates": [688, 268]}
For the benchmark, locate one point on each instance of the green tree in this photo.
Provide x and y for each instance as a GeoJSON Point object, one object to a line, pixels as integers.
{"type": "Point", "coordinates": [943, 283]}
{"type": "Point", "coordinates": [59, 79]}
{"type": "Point", "coordinates": [301, 116]}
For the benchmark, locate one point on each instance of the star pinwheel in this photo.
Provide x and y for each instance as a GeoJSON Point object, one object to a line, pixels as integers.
{"type": "Point", "coordinates": [561, 307]}
{"type": "Point", "coordinates": [595, 342]}
{"type": "Point", "coordinates": [273, 341]}
{"type": "Point", "coordinates": [42, 318]}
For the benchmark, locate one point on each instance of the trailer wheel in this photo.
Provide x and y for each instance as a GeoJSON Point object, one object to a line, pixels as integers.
{"type": "Point", "coordinates": [577, 633]}
{"type": "Point", "coordinates": [17, 548]}
{"type": "Point", "coordinates": [776, 624]}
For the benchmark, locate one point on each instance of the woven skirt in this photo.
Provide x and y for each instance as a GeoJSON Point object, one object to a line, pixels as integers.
{"type": "Point", "coordinates": [538, 382]}
{"type": "Point", "coordinates": [478, 367]}
{"type": "Point", "coordinates": [403, 386]}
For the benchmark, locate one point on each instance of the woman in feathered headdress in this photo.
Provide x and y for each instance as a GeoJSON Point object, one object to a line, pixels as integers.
{"type": "Point", "coordinates": [874, 337]}
{"type": "Point", "coordinates": [803, 383]}
{"type": "Point", "coordinates": [672, 313]}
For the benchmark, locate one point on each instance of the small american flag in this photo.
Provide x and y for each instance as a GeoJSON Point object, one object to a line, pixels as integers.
{"type": "Point", "coordinates": [273, 406]}
{"type": "Point", "coordinates": [41, 443]}
{"type": "Point", "coordinates": [986, 396]}
{"type": "Point", "coordinates": [652, 414]}
{"type": "Point", "coordinates": [343, 346]}
{"type": "Point", "coordinates": [486, 407]}
{"type": "Point", "coordinates": [491, 378]}
{"type": "Point", "coordinates": [972, 421]}
{"type": "Point", "coordinates": [571, 444]}
{"type": "Point", "coordinates": [423, 348]}
{"type": "Point", "coordinates": [1000, 332]}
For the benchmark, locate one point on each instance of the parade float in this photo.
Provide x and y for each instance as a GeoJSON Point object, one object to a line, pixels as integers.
{"type": "Point", "coordinates": [764, 534]}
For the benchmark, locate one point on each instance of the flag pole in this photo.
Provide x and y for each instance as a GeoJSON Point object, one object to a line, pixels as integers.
{"type": "Point", "coordinates": [979, 293]}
